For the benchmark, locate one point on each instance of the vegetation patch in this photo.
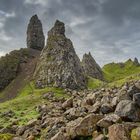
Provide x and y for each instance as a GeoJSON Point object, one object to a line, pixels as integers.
{"type": "Point", "coordinates": [6, 136]}
{"type": "Point", "coordinates": [94, 83]}
{"type": "Point", "coordinates": [23, 106]}
{"type": "Point", "coordinates": [116, 71]}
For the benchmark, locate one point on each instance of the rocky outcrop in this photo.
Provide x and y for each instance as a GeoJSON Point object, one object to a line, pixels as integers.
{"type": "Point", "coordinates": [128, 110]}
{"type": "Point", "coordinates": [9, 66]}
{"type": "Point", "coordinates": [91, 68]}
{"type": "Point", "coordinates": [35, 36]}
{"type": "Point", "coordinates": [59, 65]}
{"type": "Point", "coordinates": [136, 62]}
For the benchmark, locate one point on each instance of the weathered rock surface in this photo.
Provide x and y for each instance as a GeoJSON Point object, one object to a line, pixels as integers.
{"type": "Point", "coordinates": [136, 98]}
{"type": "Point", "coordinates": [128, 110]}
{"type": "Point", "coordinates": [120, 131]}
{"type": "Point", "coordinates": [83, 127]}
{"type": "Point", "coordinates": [136, 62]}
{"type": "Point", "coordinates": [91, 68]}
{"type": "Point", "coordinates": [59, 65]}
{"type": "Point", "coordinates": [109, 120]}
{"type": "Point", "coordinates": [35, 36]}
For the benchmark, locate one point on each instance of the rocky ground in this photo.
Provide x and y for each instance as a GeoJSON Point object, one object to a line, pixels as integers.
{"type": "Point", "coordinates": [106, 113]}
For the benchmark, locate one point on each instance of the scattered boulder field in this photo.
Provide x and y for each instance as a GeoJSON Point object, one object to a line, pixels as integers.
{"type": "Point", "coordinates": [55, 93]}
{"type": "Point", "coordinates": [106, 113]}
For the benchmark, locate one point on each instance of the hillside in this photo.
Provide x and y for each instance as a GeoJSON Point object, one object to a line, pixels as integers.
{"type": "Point", "coordinates": [117, 71]}
{"type": "Point", "coordinates": [17, 69]}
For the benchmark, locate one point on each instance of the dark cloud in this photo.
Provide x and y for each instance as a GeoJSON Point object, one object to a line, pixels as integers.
{"type": "Point", "coordinates": [108, 28]}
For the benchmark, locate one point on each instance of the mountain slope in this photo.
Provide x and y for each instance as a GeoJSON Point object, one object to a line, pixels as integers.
{"type": "Point", "coordinates": [24, 72]}
{"type": "Point", "coordinates": [117, 71]}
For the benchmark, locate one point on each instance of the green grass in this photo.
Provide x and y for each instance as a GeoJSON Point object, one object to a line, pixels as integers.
{"type": "Point", "coordinates": [24, 104]}
{"type": "Point", "coordinates": [6, 136]}
{"type": "Point", "coordinates": [30, 89]}
{"type": "Point", "coordinates": [94, 83]}
{"type": "Point", "coordinates": [120, 82]}
{"type": "Point", "coordinates": [116, 71]}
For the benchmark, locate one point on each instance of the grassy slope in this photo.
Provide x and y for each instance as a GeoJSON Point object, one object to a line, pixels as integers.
{"type": "Point", "coordinates": [23, 105]}
{"type": "Point", "coordinates": [29, 96]}
{"type": "Point", "coordinates": [120, 82]}
{"type": "Point", "coordinates": [94, 83]}
{"type": "Point", "coordinates": [118, 71]}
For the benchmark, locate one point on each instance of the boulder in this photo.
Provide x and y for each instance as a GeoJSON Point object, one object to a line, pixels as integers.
{"type": "Point", "coordinates": [83, 126]}
{"type": "Point", "coordinates": [136, 98]}
{"type": "Point", "coordinates": [106, 108]}
{"type": "Point", "coordinates": [128, 110]}
{"type": "Point", "coordinates": [108, 120]}
{"type": "Point", "coordinates": [74, 113]}
{"type": "Point", "coordinates": [120, 131]}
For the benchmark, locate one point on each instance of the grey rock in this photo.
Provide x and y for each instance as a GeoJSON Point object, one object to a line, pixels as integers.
{"type": "Point", "coordinates": [91, 68]}
{"type": "Point", "coordinates": [35, 36]}
{"type": "Point", "coordinates": [59, 66]}
{"type": "Point", "coordinates": [83, 126]}
{"type": "Point", "coordinates": [128, 110]}
{"type": "Point", "coordinates": [136, 98]}
{"type": "Point", "coordinates": [106, 108]}
{"type": "Point", "coordinates": [108, 120]}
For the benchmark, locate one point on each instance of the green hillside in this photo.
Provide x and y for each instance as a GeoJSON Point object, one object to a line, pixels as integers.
{"type": "Point", "coordinates": [116, 71]}
{"type": "Point", "coordinates": [24, 104]}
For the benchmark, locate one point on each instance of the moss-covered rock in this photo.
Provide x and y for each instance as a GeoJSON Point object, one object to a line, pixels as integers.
{"type": "Point", "coordinates": [6, 136]}
{"type": "Point", "coordinates": [135, 134]}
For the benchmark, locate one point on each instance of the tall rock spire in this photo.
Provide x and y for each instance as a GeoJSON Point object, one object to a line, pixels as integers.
{"type": "Point", "coordinates": [136, 62]}
{"type": "Point", "coordinates": [59, 65]}
{"type": "Point", "coordinates": [35, 36]}
{"type": "Point", "coordinates": [91, 68]}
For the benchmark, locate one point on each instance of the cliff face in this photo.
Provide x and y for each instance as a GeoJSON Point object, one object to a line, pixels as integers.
{"type": "Point", "coordinates": [59, 65]}
{"type": "Point", "coordinates": [91, 68]}
{"type": "Point", "coordinates": [35, 36]}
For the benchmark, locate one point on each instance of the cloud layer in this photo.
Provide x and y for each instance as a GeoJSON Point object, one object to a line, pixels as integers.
{"type": "Point", "coordinates": [109, 29]}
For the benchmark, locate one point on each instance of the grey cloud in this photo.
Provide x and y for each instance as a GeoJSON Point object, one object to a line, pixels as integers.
{"type": "Point", "coordinates": [108, 28]}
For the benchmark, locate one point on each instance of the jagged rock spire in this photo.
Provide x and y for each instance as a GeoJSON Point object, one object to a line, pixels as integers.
{"type": "Point", "coordinates": [91, 68]}
{"type": "Point", "coordinates": [35, 36]}
{"type": "Point", "coordinates": [59, 65]}
{"type": "Point", "coordinates": [136, 61]}
{"type": "Point", "coordinates": [58, 29]}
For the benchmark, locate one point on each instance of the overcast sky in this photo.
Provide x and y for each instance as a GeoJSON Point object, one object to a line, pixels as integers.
{"type": "Point", "coordinates": [109, 29]}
